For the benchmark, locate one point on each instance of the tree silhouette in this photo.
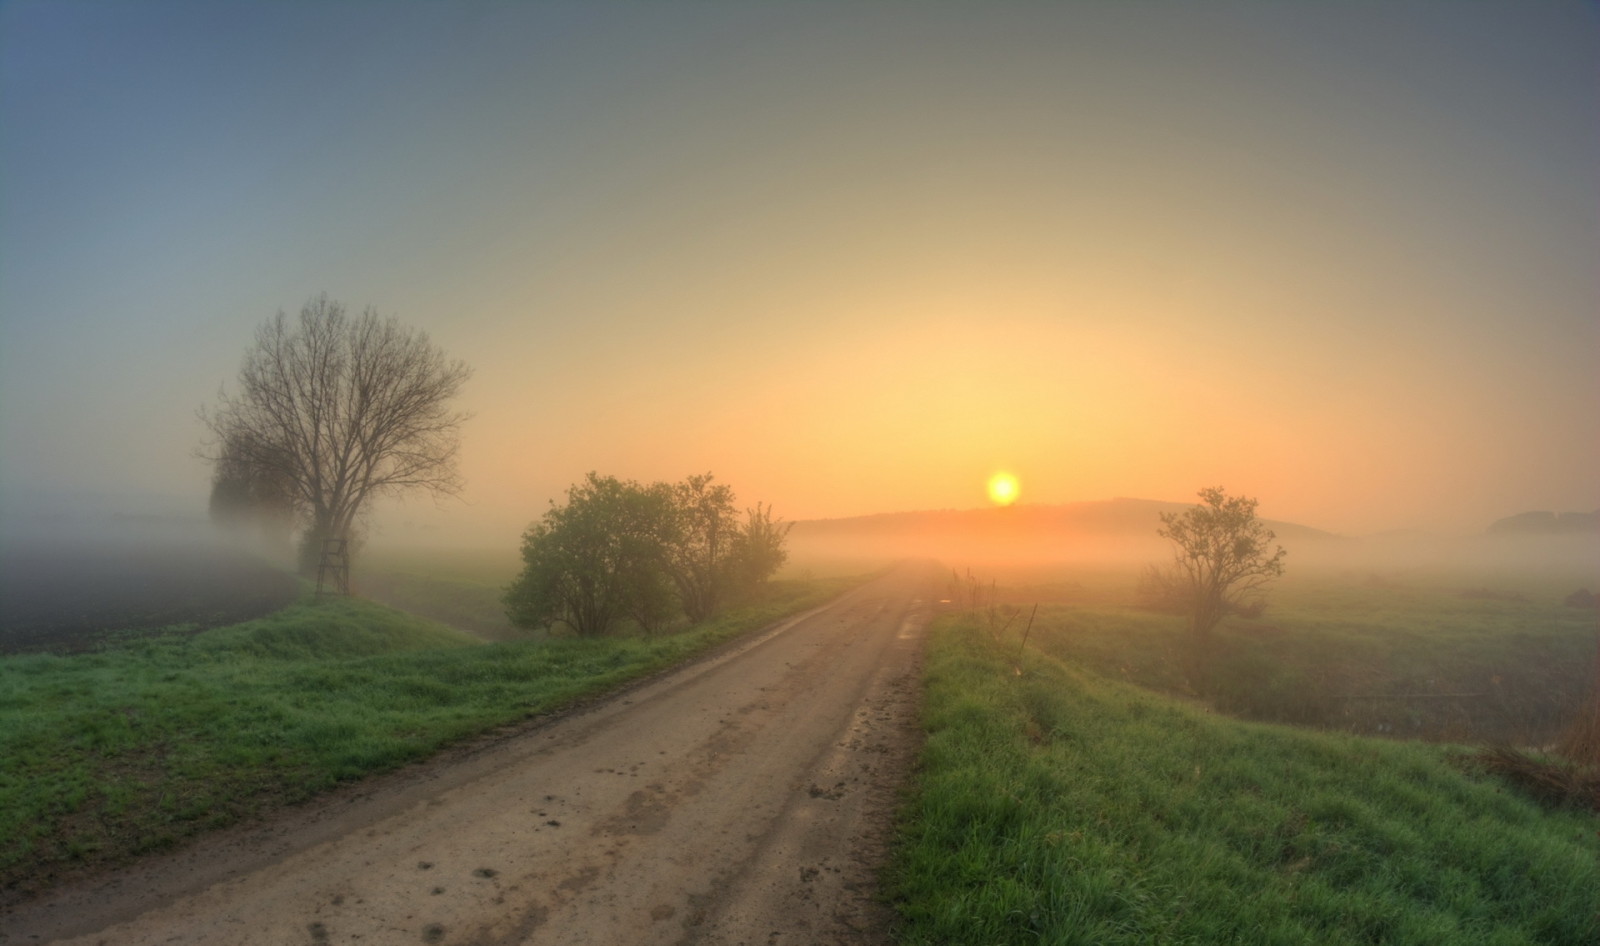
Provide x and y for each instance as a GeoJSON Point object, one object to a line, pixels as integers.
{"type": "Point", "coordinates": [1223, 558]}
{"type": "Point", "coordinates": [336, 410]}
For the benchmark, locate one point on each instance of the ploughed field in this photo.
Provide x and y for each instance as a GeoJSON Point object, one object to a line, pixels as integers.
{"type": "Point", "coordinates": [66, 598]}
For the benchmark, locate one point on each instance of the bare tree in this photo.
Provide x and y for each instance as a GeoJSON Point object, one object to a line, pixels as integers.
{"type": "Point", "coordinates": [339, 410]}
{"type": "Point", "coordinates": [1222, 560]}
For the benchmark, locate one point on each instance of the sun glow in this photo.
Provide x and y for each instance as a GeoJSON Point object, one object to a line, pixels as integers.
{"type": "Point", "coordinates": [1003, 489]}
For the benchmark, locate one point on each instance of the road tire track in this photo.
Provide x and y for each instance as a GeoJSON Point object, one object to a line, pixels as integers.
{"type": "Point", "coordinates": [747, 798]}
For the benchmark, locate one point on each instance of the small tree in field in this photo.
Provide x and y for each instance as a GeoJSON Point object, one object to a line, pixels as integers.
{"type": "Point", "coordinates": [1224, 556]}
{"type": "Point", "coordinates": [333, 411]}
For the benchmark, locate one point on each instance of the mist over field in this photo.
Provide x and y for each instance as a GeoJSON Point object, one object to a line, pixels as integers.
{"type": "Point", "coordinates": [1001, 472]}
{"type": "Point", "coordinates": [1121, 534]}
{"type": "Point", "coordinates": [78, 565]}
{"type": "Point", "coordinates": [74, 567]}
{"type": "Point", "coordinates": [911, 282]}
{"type": "Point", "coordinates": [854, 259]}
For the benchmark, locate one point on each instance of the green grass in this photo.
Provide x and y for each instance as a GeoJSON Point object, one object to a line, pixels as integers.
{"type": "Point", "coordinates": [155, 739]}
{"type": "Point", "coordinates": [1063, 807]}
{"type": "Point", "coordinates": [1346, 651]}
{"type": "Point", "coordinates": [462, 588]}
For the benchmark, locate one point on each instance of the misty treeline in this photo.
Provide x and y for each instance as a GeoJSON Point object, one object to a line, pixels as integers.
{"type": "Point", "coordinates": [331, 410]}
{"type": "Point", "coordinates": [619, 550]}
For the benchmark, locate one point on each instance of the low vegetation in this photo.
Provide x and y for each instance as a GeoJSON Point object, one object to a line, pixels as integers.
{"type": "Point", "coordinates": [153, 739]}
{"type": "Point", "coordinates": [464, 588]}
{"type": "Point", "coordinates": [1058, 804]}
{"type": "Point", "coordinates": [1427, 656]}
{"type": "Point", "coordinates": [618, 552]}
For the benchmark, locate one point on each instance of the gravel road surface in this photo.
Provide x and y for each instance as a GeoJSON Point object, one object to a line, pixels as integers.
{"type": "Point", "coordinates": [745, 798]}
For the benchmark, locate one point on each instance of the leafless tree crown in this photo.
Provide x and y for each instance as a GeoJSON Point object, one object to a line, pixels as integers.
{"type": "Point", "coordinates": [341, 409]}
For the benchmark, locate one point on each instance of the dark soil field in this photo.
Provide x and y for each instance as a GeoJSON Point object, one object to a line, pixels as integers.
{"type": "Point", "coordinates": [68, 598]}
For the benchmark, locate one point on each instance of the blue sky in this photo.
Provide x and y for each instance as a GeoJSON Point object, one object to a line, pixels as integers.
{"type": "Point", "coordinates": [851, 257]}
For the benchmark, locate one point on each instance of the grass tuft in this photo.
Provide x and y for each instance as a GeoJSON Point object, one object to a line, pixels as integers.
{"type": "Point", "coordinates": [1554, 782]}
{"type": "Point", "coordinates": [1580, 741]}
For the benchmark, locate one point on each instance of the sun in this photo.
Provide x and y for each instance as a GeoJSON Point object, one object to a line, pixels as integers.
{"type": "Point", "coordinates": [1003, 488]}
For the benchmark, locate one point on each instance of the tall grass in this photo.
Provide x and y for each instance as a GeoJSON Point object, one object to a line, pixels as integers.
{"type": "Point", "coordinates": [152, 740]}
{"type": "Point", "coordinates": [1059, 806]}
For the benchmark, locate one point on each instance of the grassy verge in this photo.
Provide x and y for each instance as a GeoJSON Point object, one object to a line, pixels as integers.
{"type": "Point", "coordinates": [131, 749]}
{"type": "Point", "coordinates": [1415, 659]}
{"type": "Point", "coordinates": [1059, 806]}
{"type": "Point", "coordinates": [463, 588]}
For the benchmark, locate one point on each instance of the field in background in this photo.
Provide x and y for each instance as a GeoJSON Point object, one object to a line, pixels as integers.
{"type": "Point", "coordinates": [1057, 804]}
{"type": "Point", "coordinates": [1442, 652]}
{"type": "Point", "coordinates": [458, 587]}
{"type": "Point", "coordinates": [155, 738]}
{"type": "Point", "coordinates": [64, 597]}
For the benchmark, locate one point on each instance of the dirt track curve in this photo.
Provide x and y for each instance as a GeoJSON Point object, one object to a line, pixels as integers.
{"type": "Point", "coordinates": [746, 798]}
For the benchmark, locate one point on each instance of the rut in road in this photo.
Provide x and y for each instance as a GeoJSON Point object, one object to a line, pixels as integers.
{"type": "Point", "coordinates": [744, 799]}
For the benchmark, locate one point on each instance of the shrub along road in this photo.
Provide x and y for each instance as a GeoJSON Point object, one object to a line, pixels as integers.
{"type": "Point", "coordinates": [746, 797]}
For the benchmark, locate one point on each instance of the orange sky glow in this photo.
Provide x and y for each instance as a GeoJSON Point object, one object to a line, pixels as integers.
{"type": "Point", "coordinates": [849, 258]}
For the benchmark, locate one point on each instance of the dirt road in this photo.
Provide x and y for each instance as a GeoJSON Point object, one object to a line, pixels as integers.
{"type": "Point", "coordinates": [743, 799]}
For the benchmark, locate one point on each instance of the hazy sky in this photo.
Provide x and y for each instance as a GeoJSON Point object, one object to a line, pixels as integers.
{"type": "Point", "coordinates": [852, 258]}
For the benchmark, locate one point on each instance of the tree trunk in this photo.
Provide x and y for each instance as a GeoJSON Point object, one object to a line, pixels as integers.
{"type": "Point", "coordinates": [1202, 643]}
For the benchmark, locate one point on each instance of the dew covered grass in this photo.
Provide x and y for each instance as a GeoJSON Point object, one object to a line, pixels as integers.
{"type": "Point", "coordinates": [1061, 806]}
{"type": "Point", "coordinates": [154, 739]}
{"type": "Point", "coordinates": [1449, 657]}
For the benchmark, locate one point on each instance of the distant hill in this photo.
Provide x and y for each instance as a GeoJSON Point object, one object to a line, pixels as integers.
{"type": "Point", "coordinates": [1548, 523]}
{"type": "Point", "coordinates": [1021, 531]}
{"type": "Point", "coordinates": [1138, 517]}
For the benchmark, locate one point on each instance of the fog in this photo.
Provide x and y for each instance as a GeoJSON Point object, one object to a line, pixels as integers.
{"type": "Point", "coordinates": [75, 566]}
{"type": "Point", "coordinates": [853, 259]}
{"type": "Point", "coordinates": [1120, 535]}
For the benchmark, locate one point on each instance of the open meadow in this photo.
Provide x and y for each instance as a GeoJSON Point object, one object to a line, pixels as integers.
{"type": "Point", "coordinates": [1076, 788]}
